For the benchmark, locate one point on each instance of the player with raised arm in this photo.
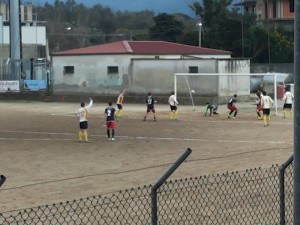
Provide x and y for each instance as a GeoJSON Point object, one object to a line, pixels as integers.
{"type": "Point", "coordinates": [173, 106]}
{"type": "Point", "coordinates": [266, 103]}
{"type": "Point", "coordinates": [120, 103]}
{"type": "Point", "coordinates": [111, 117]}
{"type": "Point", "coordinates": [150, 106]}
{"type": "Point", "coordinates": [231, 106]}
{"type": "Point", "coordinates": [83, 121]}
{"type": "Point", "coordinates": [288, 102]}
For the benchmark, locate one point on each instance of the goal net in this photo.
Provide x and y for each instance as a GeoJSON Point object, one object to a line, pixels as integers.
{"type": "Point", "coordinates": [199, 88]}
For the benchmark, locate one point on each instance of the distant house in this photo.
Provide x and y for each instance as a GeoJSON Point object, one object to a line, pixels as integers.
{"type": "Point", "coordinates": [140, 66]}
{"type": "Point", "coordinates": [275, 12]}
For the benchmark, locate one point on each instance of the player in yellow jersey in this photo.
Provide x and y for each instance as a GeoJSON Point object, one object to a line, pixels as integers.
{"type": "Point", "coordinates": [120, 103]}
{"type": "Point", "coordinates": [266, 103]}
{"type": "Point", "coordinates": [83, 113]}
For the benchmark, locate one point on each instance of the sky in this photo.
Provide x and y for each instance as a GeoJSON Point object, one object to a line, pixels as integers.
{"type": "Point", "coordinates": [158, 6]}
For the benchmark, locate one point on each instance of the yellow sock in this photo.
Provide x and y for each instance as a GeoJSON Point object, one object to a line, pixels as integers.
{"type": "Point", "coordinates": [265, 120]}
{"type": "Point", "coordinates": [269, 119]}
{"type": "Point", "coordinates": [292, 114]}
{"type": "Point", "coordinates": [171, 115]}
{"type": "Point", "coordinates": [85, 135]}
{"type": "Point", "coordinates": [80, 136]}
{"type": "Point", "coordinates": [176, 114]}
{"type": "Point", "coordinates": [120, 113]}
{"type": "Point", "coordinates": [284, 113]}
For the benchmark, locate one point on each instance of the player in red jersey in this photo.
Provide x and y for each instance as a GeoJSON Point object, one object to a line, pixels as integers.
{"type": "Point", "coordinates": [258, 105]}
{"type": "Point", "coordinates": [150, 106]}
{"type": "Point", "coordinates": [231, 106]}
{"type": "Point", "coordinates": [111, 117]}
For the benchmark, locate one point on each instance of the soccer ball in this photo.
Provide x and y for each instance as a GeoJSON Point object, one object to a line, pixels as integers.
{"type": "Point", "coordinates": [192, 91]}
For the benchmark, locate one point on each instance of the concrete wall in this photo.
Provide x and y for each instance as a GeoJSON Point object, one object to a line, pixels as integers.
{"type": "Point", "coordinates": [30, 35]}
{"type": "Point", "coordinates": [142, 75]}
{"type": "Point", "coordinates": [158, 75]}
{"type": "Point", "coordinates": [229, 85]}
{"type": "Point", "coordinates": [90, 74]}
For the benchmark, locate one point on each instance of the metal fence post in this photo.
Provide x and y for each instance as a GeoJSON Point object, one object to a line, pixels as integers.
{"type": "Point", "coordinates": [2, 179]}
{"type": "Point", "coordinates": [282, 189]}
{"type": "Point", "coordinates": [161, 181]}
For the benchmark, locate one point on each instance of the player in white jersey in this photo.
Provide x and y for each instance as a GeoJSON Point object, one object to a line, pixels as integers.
{"type": "Point", "coordinates": [266, 103]}
{"type": "Point", "coordinates": [173, 106]}
{"type": "Point", "coordinates": [83, 113]}
{"type": "Point", "coordinates": [288, 102]}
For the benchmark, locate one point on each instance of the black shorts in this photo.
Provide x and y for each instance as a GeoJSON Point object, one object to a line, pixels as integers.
{"type": "Point", "coordinates": [173, 107]}
{"type": "Point", "coordinates": [266, 111]}
{"type": "Point", "coordinates": [119, 106]}
{"type": "Point", "coordinates": [83, 125]}
{"type": "Point", "coordinates": [287, 106]}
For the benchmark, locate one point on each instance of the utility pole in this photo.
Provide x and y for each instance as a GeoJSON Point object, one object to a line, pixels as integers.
{"type": "Point", "coordinates": [200, 32]}
{"type": "Point", "coordinates": [296, 163]}
{"type": "Point", "coordinates": [15, 39]}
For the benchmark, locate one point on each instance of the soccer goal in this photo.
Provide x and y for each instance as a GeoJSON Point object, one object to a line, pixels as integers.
{"type": "Point", "coordinates": [199, 87]}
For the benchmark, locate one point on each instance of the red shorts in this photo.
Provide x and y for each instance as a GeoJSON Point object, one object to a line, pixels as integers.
{"type": "Point", "coordinates": [151, 110]}
{"type": "Point", "coordinates": [111, 124]}
{"type": "Point", "coordinates": [232, 108]}
{"type": "Point", "coordinates": [258, 108]}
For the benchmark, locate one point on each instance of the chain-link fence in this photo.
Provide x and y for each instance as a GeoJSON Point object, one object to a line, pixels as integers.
{"type": "Point", "coordinates": [248, 197]}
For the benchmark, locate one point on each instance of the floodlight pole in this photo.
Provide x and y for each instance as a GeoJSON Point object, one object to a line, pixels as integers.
{"type": "Point", "coordinates": [297, 116]}
{"type": "Point", "coordinates": [200, 33]}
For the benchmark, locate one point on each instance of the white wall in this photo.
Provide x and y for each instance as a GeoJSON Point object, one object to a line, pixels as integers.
{"type": "Point", "coordinates": [158, 76]}
{"type": "Point", "coordinates": [229, 85]}
{"type": "Point", "coordinates": [30, 35]}
{"type": "Point", "coordinates": [140, 73]}
{"type": "Point", "coordinates": [90, 73]}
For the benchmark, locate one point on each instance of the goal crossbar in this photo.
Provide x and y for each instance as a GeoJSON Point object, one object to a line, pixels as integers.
{"type": "Point", "coordinates": [233, 74]}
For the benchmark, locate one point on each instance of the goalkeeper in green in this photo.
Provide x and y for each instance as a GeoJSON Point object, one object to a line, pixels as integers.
{"type": "Point", "coordinates": [212, 109]}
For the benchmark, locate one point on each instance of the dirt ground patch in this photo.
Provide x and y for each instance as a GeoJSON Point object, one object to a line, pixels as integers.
{"type": "Point", "coordinates": [44, 163]}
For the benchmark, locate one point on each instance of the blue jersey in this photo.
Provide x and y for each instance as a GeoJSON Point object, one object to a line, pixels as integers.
{"type": "Point", "coordinates": [110, 113]}
{"type": "Point", "coordinates": [150, 102]}
{"type": "Point", "coordinates": [231, 102]}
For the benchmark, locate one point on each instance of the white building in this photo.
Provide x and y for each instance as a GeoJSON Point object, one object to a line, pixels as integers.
{"type": "Point", "coordinates": [143, 66]}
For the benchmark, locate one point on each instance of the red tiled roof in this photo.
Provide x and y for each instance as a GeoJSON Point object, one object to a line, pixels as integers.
{"type": "Point", "coordinates": [143, 48]}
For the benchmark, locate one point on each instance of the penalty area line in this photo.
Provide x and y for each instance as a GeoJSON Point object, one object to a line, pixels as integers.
{"type": "Point", "coordinates": [132, 137]}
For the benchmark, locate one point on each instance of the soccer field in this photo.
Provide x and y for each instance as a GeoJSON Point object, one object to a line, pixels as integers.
{"type": "Point", "coordinates": [44, 163]}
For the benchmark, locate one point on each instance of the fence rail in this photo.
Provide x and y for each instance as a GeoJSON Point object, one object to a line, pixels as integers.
{"type": "Point", "coordinates": [248, 197]}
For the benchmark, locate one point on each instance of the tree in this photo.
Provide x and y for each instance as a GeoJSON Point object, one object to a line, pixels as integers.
{"type": "Point", "coordinates": [166, 28]}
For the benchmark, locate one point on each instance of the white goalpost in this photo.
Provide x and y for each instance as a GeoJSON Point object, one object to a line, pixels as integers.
{"type": "Point", "coordinates": [222, 84]}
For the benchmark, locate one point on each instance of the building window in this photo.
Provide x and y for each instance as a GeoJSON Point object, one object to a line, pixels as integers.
{"type": "Point", "coordinates": [292, 5]}
{"type": "Point", "coordinates": [68, 69]}
{"type": "Point", "coordinates": [274, 10]}
{"type": "Point", "coordinates": [112, 70]}
{"type": "Point", "coordinates": [193, 69]}
{"type": "Point", "coordinates": [266, 10]}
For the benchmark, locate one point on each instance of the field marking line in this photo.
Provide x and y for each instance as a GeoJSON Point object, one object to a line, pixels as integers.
{"type": "Point", "coordinates": [248, 121]}
{"type": "Point", "coordinates": [138, 137]}
{"type": "Point", "coordinates": [37, 139]}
